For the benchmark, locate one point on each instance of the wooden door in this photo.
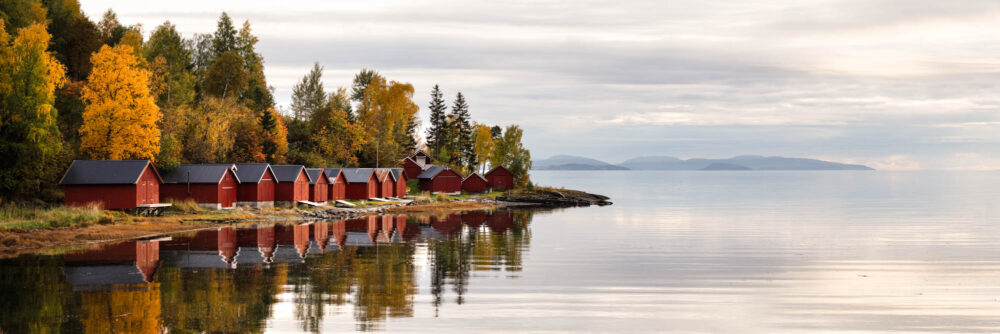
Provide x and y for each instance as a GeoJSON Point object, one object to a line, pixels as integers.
{"type": "Point", "coordinates": [267, 190]}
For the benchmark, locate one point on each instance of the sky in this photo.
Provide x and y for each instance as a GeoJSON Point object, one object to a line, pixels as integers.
{"type": "Point", "coordinates": [893, 84]}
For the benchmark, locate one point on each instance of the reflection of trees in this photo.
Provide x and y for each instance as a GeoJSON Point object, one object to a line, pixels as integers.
{"type": "Point", "coordinates": [495, 246]}
{"type": "Point", "coordinates": [33, 295]}
{"type": "Point", "coordinates": [376, 282]}
{"type": "Point", "coordinates": [133, 308]}
{"type": "Point", "coordinates": [382, 278]}
{"type": "Point", "coordinates": [219, 300]}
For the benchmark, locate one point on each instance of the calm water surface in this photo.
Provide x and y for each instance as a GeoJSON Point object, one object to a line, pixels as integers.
{"type": "Point", "coordinates": [739, 252]}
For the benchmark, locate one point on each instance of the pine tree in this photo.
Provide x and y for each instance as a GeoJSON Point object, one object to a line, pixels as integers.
{"type": "Point", "coordinates": [462, 124]}
{"type": "Point", "coordinates": [225, 36]}
{"type": "Point", "coordinates": [308, 95]}
{"type": "Point", "coordinates": [360, 84]}
{"type": "Point", "coordinates": [257, 95]}
{"type": "Point", "coordinates": [436, 133]}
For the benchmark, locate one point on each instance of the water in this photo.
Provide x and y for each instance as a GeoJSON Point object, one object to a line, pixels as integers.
{"type": "Point", "coordinates": [742, 252]}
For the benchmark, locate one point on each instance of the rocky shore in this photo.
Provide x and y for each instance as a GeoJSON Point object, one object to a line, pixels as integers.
{"type": "Point", "coordinates": [536, 198]}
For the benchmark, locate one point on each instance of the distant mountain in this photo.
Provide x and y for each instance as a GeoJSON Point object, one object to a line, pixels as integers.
{"type": "Point", "coordinates": [754, 162]}
{"type": "Point", "coordinates": [582, 167]}
{"type": "Point", "coordinates": [743, 162]}
{"type": "Point", "coordinates": [725, 166]}
{"type": "Point", "coordinates": [569, 162]}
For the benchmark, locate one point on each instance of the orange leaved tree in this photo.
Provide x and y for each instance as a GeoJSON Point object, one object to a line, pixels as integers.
{"type": "Point", "coordinates": [119, 121]}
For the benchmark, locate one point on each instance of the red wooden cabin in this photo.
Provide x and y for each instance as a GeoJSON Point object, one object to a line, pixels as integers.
{"type": "Point", "coordinates": [500, 178]}
{"type": "Point", "coordinates": [386, 183]}
{"type": "Point", "coordinates": [113, 184]}
{"type": "Point", "coordinates": [440, 179]}
{"type": "Point", "coordinates": [475, 183]}
{"type": "Point", "coordinates": [319, 185]}
{"type": "Point", "coordinates": [213, 186]}
{"type": "Point", "coordinates": [421, 158]}
{"type": "Point", "coordinates": [338, 184]}
{"type": "Point", "coordinates": [257, 185]}
{"type": "Point", "coordinates": [411, 168]}
{"type": "Point", "coordinates": [361, 183]}
{"type": "Point", "coordinates": [401, 178]}
{"type": "Point", "coordinates": [293, 184]}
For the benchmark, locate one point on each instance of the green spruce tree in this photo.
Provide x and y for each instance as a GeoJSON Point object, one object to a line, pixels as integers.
{"type": "Point", "coordinates": [224, 39]}
{"type": "Point", "coordinates": [436, 133]}
{"type": "Point", "coordinates": [462, 125]}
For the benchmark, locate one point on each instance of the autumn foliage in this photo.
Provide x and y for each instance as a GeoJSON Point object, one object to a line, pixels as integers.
{"type": "Point", "coordinates": [119, 121]}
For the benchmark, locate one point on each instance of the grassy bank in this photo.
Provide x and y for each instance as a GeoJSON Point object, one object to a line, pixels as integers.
{"type": "Point", "coordinates": [28, 228]}
{"type": "Point", "coordinates": [22, 217]}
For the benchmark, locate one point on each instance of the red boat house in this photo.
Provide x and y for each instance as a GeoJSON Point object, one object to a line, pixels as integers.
{"type": "Point", "coordinates": [212, 186]}
{"type": "Point", "coordinates": [113, 184]}
{"type": "Point", "coordinates": [475, 183]}
{"type": "Point", "coordinates": [293, 184]}
{"type": "Point", "coordinates": [440, 179]}
{"type": "Point", "coordinates": [257, 185]}
{"type": "Point", "coordinates": [500, 178]}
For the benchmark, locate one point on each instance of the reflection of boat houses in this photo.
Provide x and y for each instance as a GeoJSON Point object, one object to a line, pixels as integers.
{"type": "Point", "coordinates": [257, 185]}
{"type": "Point", "coordinates": [474, 219]}
{"type": "Point", "coordinates": [321, 235]}
{"type": "Point", "coordinates": [212, 186]}
{"type": "Point", "coordinates": [216, 248]}
{"type": "Point", "coordinates": [338, 230]}
{"type": "Point", "coordinates": [500, 221]}
{"type": "Point", "coordinates": [129, 262]}
{"type": "Point", "coordinates": [266, 243]}
{"type": "Point", "coordinates": [405, 232]}
{"type": "Point", "coordinates": [447, 225]}
{"type": "Point", "coordinates": [361, 232]}
{"type": "Point", "coordinates": [292, 242]}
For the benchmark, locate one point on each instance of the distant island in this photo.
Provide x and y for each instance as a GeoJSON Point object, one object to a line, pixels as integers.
{"type": "Point", "coordinates": [743, 162]}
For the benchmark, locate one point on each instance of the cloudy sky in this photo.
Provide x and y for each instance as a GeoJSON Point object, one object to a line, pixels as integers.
{"type": "Point", "coordinates": [903, 84]}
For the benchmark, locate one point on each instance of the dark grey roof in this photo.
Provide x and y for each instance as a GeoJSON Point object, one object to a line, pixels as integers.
{"type": "Point", "coordinates": [357, 175]}
{"type": "Point", "coordinates": [476, 175]}
{"type": "Point", "coordinates": [202, 173]}
{"type": "Point", "coordinates": [251, 172]}
{"type": "Point", "coordinates": [314, 175]}
{"type": "Point", "coordinates": [288, 173]}
{"type": "Point", "coordinates": [397, 173]}
{"type": "Point", "coordinates": [105, 172]}
{"type": "Point", "coordinates": [331, 173]}
{"type": "Point", "coordinates": [433, 171]}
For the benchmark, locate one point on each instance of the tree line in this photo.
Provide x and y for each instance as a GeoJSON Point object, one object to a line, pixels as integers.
{"type": "Point", "coordinates": [72, 88]}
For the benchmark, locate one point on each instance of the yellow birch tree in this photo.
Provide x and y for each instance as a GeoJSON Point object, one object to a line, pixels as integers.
{"type": "Point", "coordinates": [119, 121]}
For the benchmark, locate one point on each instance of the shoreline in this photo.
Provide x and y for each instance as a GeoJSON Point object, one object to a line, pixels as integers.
{"type": "Point", "coordinates": [17, 242]}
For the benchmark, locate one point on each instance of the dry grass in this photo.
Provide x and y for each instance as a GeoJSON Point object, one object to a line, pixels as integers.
{"type": "Point", "coordinates": [22, 217]}
{"type": "Point", "coordinates": [185, 206]}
